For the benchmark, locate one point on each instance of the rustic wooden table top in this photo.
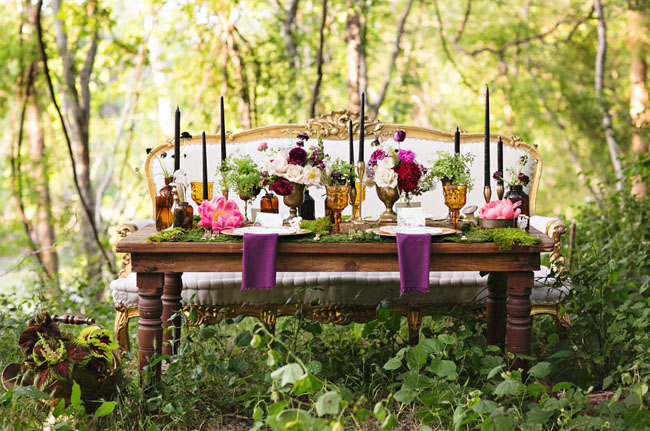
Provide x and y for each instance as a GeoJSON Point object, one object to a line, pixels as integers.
{"type": "Point", "coordinates": [319, 257]}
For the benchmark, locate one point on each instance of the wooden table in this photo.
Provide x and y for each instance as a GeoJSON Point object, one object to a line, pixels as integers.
{"type": "Point", "coordinates": [159, 267]}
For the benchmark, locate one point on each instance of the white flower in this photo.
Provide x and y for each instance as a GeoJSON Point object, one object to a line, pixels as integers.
{"type": "Point", "coordinates": [311, 176]}
{"type": "Point", "coordinates": [385, 163]}
{"type": "Point", "coordinates": [294, 174]}
{"type": "Point", "coordinates": [279, 165]}
{"type": "Point", "coordinates": [385, 177]}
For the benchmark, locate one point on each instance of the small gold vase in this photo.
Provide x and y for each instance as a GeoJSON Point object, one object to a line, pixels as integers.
{"type": "Point", "coordinates": [197, 191]}
{"type": "Point", "coordinates": [357, 195]}
{"type": "Point", "coordinates": [455, 198]}
{"type": "Point", "coordinates": [388, 195]}
{"type": "Point", "coordinates": [294, 199]}
{"type": "Point", "coordinates": [337, 200]}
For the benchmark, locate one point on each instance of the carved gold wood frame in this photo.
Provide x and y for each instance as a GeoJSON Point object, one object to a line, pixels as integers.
{"type": "Point", "coordinates": [334, 126]}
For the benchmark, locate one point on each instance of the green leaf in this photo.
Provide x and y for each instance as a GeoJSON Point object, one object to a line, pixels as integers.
{"type": "Point", "coordinates": [293, 420]}
{"type": "Point", "coordinates": [443, 368]}
{"type": "Point", "coordinates": [485, 407]}
{"type": "Point", "coordinates": [540, 370]}
{"type": "Point", "coordinates": [405, 395]}
{"type": "Point", "coordinates": [106, 408]}
{"type": "Point", "coordinates": [258, 413]}
{"type": "Point", "coordinates": [537, 416]}
{"type": "Point", "coordinates": [447, 339]}
{"type": "Point", "coordinates": [59, 409]}
{"type": "Point", "coordinates": [75, 398]}
{"type": "Point", "coordinates": [390, 422]}
{"type": "Point", "coordinates": [288, 374]}
{"type": "Point", "coordinates": [273, 357]}
{"type": "Point", "coordinates": [637, 417]}
{"type": "Point", "coordinates": [534, 389]}
{"type": "Point", "coordinates": [562, 386]}
{"type": "Point", "coordinates": [416, 357]}
{"type": "Point", "coordinates": [328, 404]}
{"type": "Point", "coordinates": [393, 364]}
{"type": "Point", "coordinates": [307, 385]}
{"type": "Point", "coordinates": [243, 339]}
{"type": "Point", "coordinates": [607, 381]}
{"type": "Point", "coordinates": [508, 387]}
{"type": "Point", "coordinates": [424, 428]}
{"type": "Point", "coordinates": [417, 381]}
{"type": "Point", "coordinates": [379, 411]}
{"type": "Point", "coordinates": [31, 392]}
{"type": "Point", "coordinates": [431, 345]}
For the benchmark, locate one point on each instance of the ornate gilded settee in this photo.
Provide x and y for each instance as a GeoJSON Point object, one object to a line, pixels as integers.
{"type": "Point", "coordinates": [340, 297]}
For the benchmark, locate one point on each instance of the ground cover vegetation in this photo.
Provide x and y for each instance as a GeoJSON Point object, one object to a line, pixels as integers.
{"type": "Point", "coordinates": [88, 86]}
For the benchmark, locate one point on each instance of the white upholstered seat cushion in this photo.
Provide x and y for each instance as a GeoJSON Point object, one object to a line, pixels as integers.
{"type": "Point", "coordinates": [343, 288]}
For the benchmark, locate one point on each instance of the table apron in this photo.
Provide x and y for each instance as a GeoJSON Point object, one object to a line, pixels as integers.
{"type": "Point", "coordinates": [299, 262]}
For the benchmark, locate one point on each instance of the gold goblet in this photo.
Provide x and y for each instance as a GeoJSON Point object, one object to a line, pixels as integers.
{"type": "Point", "coordinates": [294, 199]}
{"type": "Point", "coordinates": [337, 200]}
{"type": "Point", "coordinates": [388, 195]}
{"type": "Point", "coordinates": [197, 191]}
{"type": "Point", "coordinates": [455, 198]}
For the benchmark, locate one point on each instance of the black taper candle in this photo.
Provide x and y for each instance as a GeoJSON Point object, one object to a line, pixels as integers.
{"type": "Point", "coordinates": [457, 141]}
{"type": "Point", "coordinates": [177, 140]}
{"type": "Point", "coordinates": [205, 168]}
{"type": "Point", "coordinates": [362, 125]}
{"type": "Point", "coordinates": [500, 158]}
{"type": "Point", "coordinates": [351, 137]}
{"type": "Point", "coordinates": [223, 131]}
{"type": "Point", "coordinates": [487, 136]}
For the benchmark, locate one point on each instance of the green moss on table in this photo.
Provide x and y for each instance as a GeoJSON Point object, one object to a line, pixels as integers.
{"type": "Point", "coordinates": [504, 238]}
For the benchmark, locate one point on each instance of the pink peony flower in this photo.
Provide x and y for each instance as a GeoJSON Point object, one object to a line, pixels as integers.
{"type": "Point", "coordinates": [406, 155]}
{"type": "Point", "coordinates": [219, 214]}
{"type": "Point", "coordinates": [503, 209]}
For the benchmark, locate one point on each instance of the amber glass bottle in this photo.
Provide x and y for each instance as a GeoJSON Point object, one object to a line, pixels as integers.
{"type": "Point", "coordinates": [269, 203]}
{"type": "Point", "coordinates": [164, 203]}
{"type": "Point", "coordinates": [183, 214]}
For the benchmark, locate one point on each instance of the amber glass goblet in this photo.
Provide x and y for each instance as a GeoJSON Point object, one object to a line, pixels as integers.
{"type": "Point", "coordinates": [197, 191]}
{"type": "Point", "coordinates": [337, 200]}
{"type": "Point", "coordinates": [455, 198]}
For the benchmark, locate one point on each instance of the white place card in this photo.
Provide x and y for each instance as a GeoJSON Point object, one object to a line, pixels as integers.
{"type": "Point", "coordinates": [269, 220]}
{"type": "Point", "coordinates": [410, 217]}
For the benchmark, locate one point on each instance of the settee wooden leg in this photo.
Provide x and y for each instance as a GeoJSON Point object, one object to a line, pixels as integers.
{"type": "Point", "coordinates": [150, 286]}
{"type": "Point", "coordinates": [268, 316]}
{"type": "Point", "coordinates": [121, 330]}
{"type": "Point", "coordinates": [495, 309]}
{"type": "Point", "coordinates": [171, 303]}
{"type": "Point", "coordinates": [414, 319]}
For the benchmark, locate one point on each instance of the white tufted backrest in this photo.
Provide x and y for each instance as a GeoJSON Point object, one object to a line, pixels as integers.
{"type": "Point", "coordinates": [424, 142]}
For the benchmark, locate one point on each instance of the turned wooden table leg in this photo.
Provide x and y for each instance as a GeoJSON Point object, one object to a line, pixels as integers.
{"type": "Point", "coordinates": [150, 309]}
{"type": "Point", "coordinates": [520, 323]}
{"type": "Point", "coordinates": [171, 303]}
{"type": "Point", "coordinates": [496, 309]}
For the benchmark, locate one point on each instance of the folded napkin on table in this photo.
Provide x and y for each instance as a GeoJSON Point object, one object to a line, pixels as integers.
{"type": "Point", "coordinates": [413, 254]}
{"type": "Point", "coordinates": [258, 261]}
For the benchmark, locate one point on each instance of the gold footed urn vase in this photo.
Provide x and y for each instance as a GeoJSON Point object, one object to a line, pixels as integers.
{"type": "Point", "coordinates": [337, 200]}
{"type": "Point", "coordinates": [294, 199]}
{"type": "Point", "coordinates": [455, 198]}
{"type": "Point", "coordinates": [388, 195]}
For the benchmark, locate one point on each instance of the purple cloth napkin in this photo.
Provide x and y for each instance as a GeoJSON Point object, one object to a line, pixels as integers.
{"type": "Point", "coordinates": [258, 261]}
{"type": "Point", "coordinates": [413, 254]}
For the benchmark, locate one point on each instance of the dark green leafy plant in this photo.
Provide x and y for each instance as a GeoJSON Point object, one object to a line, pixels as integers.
{"type": "Point", "coordinates": [241, 175]}
{"type": "Point", "coordinates": [452, 167]}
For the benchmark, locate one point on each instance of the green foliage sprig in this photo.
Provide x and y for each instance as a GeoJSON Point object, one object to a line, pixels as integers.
{"type": "Point", "coordinates": [241, 175]}
{"type": "Point", "coordinates": [340, 173]}
{"type": "Point", "coordinates": [452, 167]}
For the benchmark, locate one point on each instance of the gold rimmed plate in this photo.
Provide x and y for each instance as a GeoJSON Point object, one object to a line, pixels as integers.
{"type": "Point", "coordinates": [392, 231]}
{"type": "Point", "coordinates": [281, 231]}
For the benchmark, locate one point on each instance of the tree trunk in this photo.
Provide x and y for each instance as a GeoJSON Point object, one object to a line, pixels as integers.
{"type": "Point", "coordinates": [241, 77]}
{"type": "Point", "coordinates": [76, 104]}
{"type": "Point", "coordinates": [293, 58]}
{"type": "Point", "coordinates": [639, 105]}
{"type": "Point", "coordinates": [353, 41]}
{"type": "Point", "coordinates": [319, 63]}
{"type": "Point", "coordinates": [614, 149]}
{"type": "Point", "coordinates": [43, 229]}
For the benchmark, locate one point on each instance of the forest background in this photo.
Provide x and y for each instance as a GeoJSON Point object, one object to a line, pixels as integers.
{"type": "Point", "coordinates": [569, 76]}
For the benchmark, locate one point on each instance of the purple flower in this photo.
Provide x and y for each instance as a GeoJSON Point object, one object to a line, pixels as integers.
{"type": "Point", "coordinates": [264, 174]}
{"type": "Point", "coordinates": [163, 154]}
{"type": "Point", "coordinates": [149, 150]}
{"type": "Point", "coordinates": [297, 156]}
{"type": "Point", "coordinates": [523, 178]}
{"type": "Point", "coordinates": [282, 187]}
{"type": "Point", "coordinates": [406, 155]}
{"type": "Point", "coordinates": [375, 143]}
{"type": "Point", "coordinates": [399, 135]}
{"type": "Point", "coordinates": [303, 136]}
{"type": "Point", "coordinates": [320, 164]}
{"type": "Point", "coordinates": [300, 143]}
{"type": "Point", "coordinates": [370, 172]}
{"type": "Point", "coordinates": [376, 156]}
{"type": "Point", "coordinates": [316, 156]}
{"type": "Point", "coordinates": [497, 175]}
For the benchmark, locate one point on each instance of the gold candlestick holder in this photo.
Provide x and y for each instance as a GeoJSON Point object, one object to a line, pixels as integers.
{"type": "Point", "coordinates": [500, 190]}
{"type": "Point", "coordinates": [487, 193]}
{"type": "Point", "coordinates": [361, 171]}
